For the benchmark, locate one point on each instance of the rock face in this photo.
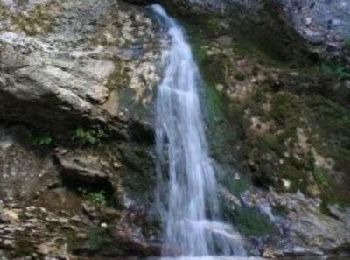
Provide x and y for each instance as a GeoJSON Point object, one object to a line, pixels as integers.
{"type": "Point", "coordinates": [76, 159]}
{"type": "Point", "coordinates": [322, 24]}
{"type": "Point", "coordinates": [302, 229]}
{"type": "Point", "coordinates": [24, 172]}
{"type": "Point", "coordinates": [64, 62]}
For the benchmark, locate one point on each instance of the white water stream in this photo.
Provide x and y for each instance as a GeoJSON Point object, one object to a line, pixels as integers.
{"type": "Point", "coordinates": [187, 186]}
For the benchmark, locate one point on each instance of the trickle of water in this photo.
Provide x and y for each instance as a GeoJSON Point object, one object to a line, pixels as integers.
{"type": "Point", "coordinates": [188, 199]}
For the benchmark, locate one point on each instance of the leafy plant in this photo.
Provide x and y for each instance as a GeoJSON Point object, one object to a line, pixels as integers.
{"type": "Point", "coordinates": [88, 135]}
{"type": "Point", "coordinates": [41, 138]}
{"type": "Point", "coordinates": [95, 197]}
{"type": "Point", "coordinates": [320, 176]}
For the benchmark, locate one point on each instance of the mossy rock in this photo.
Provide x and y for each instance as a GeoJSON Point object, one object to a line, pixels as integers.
{"type": "Point", "coordinates": [251, 222]}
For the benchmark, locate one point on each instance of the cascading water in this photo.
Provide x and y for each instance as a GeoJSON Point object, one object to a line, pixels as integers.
{"type": "Point", "coordinates": [187, 186]}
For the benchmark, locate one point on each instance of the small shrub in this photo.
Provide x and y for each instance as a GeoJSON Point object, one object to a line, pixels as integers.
{"type": "Point", "coordinates": [320, 176]}
{"type": "Point", "coordinates": [41, 138]}
{"type": "Point", "coordinates": [251, 222]}
{"type": "Point", "coordinates": [237, 187]}
{"type": "Point", "coordinates": [90, 136]}
{"type": "Point", "coordinates": [335, 69]}
{"type": "Point", "coordinates": [99, 198]}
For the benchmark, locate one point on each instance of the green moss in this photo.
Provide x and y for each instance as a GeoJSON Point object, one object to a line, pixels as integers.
{"type": "Point", "coordinates": [250, 222]}
{"type": "Point", "coordinates": [334, 69]}
{"type": "Point", "coordinates": [320, 176]}
{"type": "Point", "coordinates": [238, 187]}
{"type": "Point", "coordinates": [291, 103]}
{"type": "Point", "coordinates": [214, 69]}
{"type": "Point", "coordinates": [286, 109]}
{"type": "Point", "coordinates": [333, 125]}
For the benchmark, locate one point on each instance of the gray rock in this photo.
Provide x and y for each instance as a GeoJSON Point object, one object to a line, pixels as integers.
{"type": "Point", "coordinates": [325, 23]}
{"type": "Point", "coordinates": [23, 172]}
{"type": "Point", "coordinates": [81, 68]}
{"type": "Point", "coordinates": [83, 165]}
{"type": "Point", "coordinates": [304, 229]}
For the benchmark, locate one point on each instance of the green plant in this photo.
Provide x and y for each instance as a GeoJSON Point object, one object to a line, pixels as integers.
{"type": "Point", "coordinates": [320, 176]}
{"type": "Point", "coordinates": [251, 222]}
{"type": "Point", "coordinates": [95, 197]}
{"type": "Point", "coordinates": [335, 69]}
{"type": "Point", "coordinates": [239, 186]}
{"type": "Point", "coordinates": [88, 135]}
{"type": "Point", "coordinates": [38, 138]}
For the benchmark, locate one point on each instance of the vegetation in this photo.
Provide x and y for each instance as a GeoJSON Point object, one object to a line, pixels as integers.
{"type": "Point", "coordinates": [335, 69]}
{"type": "Point", "coordinates": [90, 136]}
{"type": "Point", "coordinates": [238, 186]}
{"type": "Point", "coordinates": [250, 222]}
{"type": "Point", "coordinates": [41, 138]}
{"type": "Point", "coordinates": [320, 176]}
{"type": "Point", "coordinates": [98, 198]}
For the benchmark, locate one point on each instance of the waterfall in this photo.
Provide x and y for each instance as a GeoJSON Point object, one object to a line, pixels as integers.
{"type": "Point", "coordinates": [188, 198]}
